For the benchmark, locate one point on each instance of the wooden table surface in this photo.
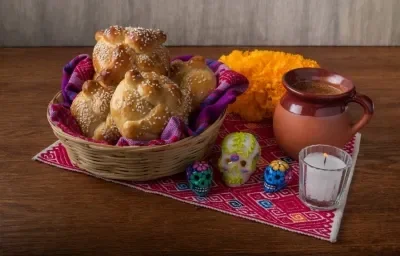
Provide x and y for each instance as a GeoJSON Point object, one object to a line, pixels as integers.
{"type": "Point", "coordinates": [47, 211]}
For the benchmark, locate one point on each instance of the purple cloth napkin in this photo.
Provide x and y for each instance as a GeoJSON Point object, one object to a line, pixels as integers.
{"type": "Point", "coordinates": [75, 73]}
{"type": "Point", "coordinates": [229, 86]}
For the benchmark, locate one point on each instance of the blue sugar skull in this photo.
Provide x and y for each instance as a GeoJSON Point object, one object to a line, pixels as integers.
{"type": "Point", "coordinates": [199, 175]}
{"type": "Point", "coordinates": [276, 176]}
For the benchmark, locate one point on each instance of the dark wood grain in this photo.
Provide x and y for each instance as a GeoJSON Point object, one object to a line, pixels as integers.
{"type": "Point", "coordinates": [47, 211]}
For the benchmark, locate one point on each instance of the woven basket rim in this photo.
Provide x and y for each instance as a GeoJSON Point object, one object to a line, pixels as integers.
{"type": "Point", "coordinates": [186, 140]}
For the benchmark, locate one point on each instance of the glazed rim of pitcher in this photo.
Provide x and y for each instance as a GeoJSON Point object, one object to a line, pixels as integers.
{"type": "Point", "coordinates": [318, 74]}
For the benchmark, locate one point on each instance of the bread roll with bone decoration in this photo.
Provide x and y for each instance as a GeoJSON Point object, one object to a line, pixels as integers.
{"type": "Point", "coordinates": [194, 78]}
{"type": "Point", "coordinates": [143, 103]}
{"type": "Point", "coordinates": [91, 109]}
{"type": "Point", "coordinates": [120, 49]}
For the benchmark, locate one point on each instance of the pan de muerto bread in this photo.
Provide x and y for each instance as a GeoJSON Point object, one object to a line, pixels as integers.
{"type": "Point", "coordinates": [91, 109]}
{"type": "Point", "coordinates": [119, 49]}
{"type": "Point", "coordinates": [143, 103]}
{"type": "Point", "coordinates": [194, 78]}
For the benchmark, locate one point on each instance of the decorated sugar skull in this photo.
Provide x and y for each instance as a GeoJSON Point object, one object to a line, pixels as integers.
{"type": "Point", "coordinates": [199, 175]}
{"type": "Point", "coordinates": [239, 156]}
{"type": "Point", "coordinates": [277, 175]}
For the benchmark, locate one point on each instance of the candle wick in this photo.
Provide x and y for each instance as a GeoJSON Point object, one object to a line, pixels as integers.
{"type": "Point", "coordinates": [325, 155]}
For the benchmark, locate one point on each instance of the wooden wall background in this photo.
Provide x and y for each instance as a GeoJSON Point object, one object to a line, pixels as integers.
{"type": "Point", "coordinates": [204, 22]}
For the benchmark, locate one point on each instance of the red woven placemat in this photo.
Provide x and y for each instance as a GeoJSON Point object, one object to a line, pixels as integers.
{"type": "Point", "coordinates": [282, 209]}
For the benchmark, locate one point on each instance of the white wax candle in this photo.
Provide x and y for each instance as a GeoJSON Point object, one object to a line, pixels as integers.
{"type": "Point", "coordinates": [323, 185]}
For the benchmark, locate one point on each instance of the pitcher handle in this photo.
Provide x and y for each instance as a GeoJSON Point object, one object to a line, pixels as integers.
{"type": "Point", "coordinates": [368, 106]}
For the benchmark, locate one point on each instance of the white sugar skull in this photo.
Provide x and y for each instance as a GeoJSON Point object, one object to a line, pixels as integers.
{"type": "Point", "coordinates": [239, 156]}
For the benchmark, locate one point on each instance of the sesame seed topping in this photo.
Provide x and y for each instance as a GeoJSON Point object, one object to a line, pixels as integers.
{"type": "Point", "coordinates": [102, 52]}
{"type": "Point", "coordinates": [91, 109]}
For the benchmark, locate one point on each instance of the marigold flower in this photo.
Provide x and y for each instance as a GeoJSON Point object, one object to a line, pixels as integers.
{"type": "Point", "coordinates": [264, 70]}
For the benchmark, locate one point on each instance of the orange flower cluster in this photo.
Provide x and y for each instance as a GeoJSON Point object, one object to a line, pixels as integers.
{"type": "Point", "coordinates": [264, 70]}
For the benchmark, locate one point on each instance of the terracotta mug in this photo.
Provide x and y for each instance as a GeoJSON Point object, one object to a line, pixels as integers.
{"type": "Point", "coordinates": [302, 119]}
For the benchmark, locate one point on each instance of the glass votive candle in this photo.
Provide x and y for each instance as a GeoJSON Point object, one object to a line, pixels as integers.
{"type": "Point", "coordinates": [323, 175]}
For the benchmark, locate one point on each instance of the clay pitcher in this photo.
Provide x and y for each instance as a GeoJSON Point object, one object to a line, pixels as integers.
{"type": "Point", "coordinates": [306, 117]}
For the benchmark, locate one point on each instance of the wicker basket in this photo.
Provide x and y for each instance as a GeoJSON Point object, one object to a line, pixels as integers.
{"type": "Point", "coordinates": [136, 163]}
